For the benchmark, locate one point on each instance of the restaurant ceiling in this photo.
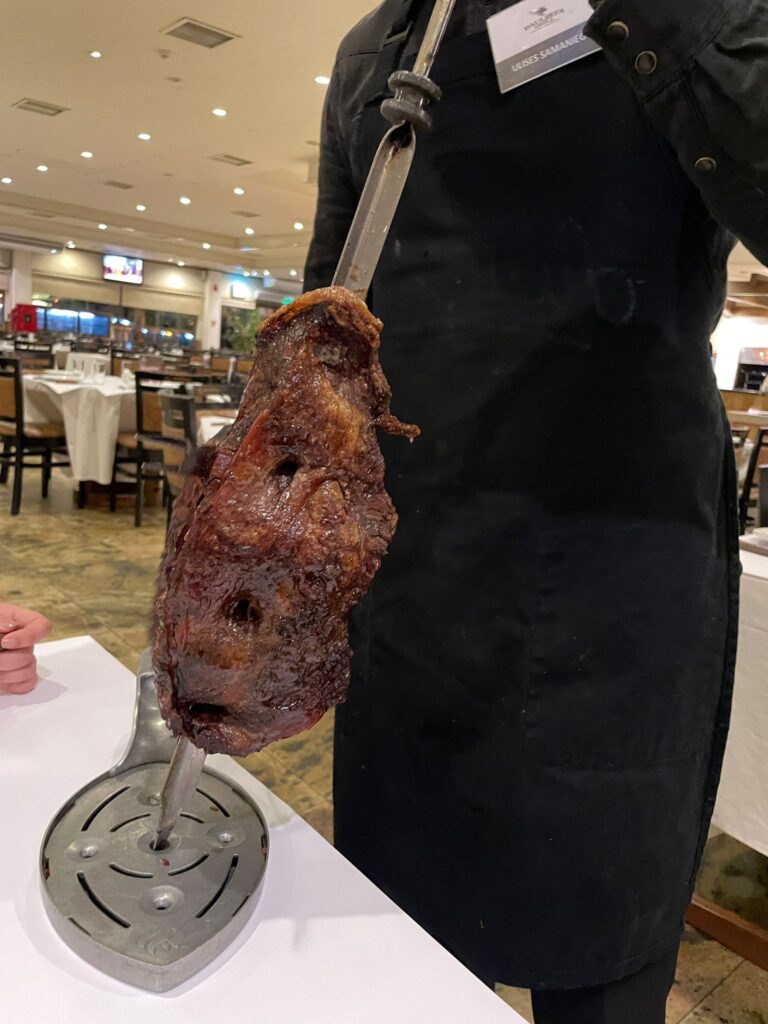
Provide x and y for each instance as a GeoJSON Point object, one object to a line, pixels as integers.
{"type": "Point", "coordinates": [148, 81]}
{"type": "Point", "coordinates": [163, 69]}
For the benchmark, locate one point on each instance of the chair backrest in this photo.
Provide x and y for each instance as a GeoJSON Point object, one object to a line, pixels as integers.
{"type": "Point", "coordinates": [121, 359]}
{"type": "Point", "coordinates": [34, 355]}
{"type": "Point", "coordinates": [244, 364]}
{"type": "Point", "coordinates": [224, 364]}
{"type": "Point", "coordinates": [90, 345]}
{"type": "Point", "coordinates": [201, 359]}
{"type": "Point", "coordinates": [11, 394]}
{"type": "Point", "coordinates": [757, 455]}
{"type": "Point", "coordinates": [199, 373]}
{"type": "Point", "coordinates": [178, 429]}
{"type": "Point", "coordinates": [149, 415]}
{"type": "Point", "coordinates": [33, 346]}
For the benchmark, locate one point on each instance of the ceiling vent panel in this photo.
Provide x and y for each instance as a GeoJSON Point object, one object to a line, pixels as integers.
{"type": "Point", "coordinates": [40, 107]}
{"type": "Point", "coordinates": [233, 161]}
{"type": "Point", "coordinates": [248, 214]}
{"type": "Point", "coordinates": [200, 34]}
{"type": "Point", "coordinates": [122, 185]}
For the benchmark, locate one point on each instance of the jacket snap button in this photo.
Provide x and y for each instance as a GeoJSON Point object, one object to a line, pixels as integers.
{"type": "Point", "coordinates": [618, 31]}
{"type": "Point", "coordinates": [706, 165]}
{"type": "Point", "coordinates": [646, 62]}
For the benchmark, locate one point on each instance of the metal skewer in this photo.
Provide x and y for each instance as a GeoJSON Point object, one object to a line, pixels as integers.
{"type": "Point", "coordinates": [180, 783]}
{"type": "Point", "coordinates": [407, 110]}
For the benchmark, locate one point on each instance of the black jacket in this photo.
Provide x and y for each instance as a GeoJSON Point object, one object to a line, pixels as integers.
{"type": "Point", "coordinates": [529, 754]}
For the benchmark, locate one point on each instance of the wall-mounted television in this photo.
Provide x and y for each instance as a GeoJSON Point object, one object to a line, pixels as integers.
{"type": "Point", "coordinates": [124, 269]}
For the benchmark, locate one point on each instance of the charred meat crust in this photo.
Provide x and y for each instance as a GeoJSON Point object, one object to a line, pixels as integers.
{"type": "Point", "coordinates": [277, 533]}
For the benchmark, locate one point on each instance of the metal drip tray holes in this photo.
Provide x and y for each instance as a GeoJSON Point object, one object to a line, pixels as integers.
{"type": "Point", "coordinates": [152, 918]}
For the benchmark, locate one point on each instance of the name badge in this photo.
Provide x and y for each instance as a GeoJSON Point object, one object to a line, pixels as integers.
{"type": "Point", "coordinates": [529, 40]}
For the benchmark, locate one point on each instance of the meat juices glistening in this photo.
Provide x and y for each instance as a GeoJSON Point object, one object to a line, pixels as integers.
{"type": "Point", "coordinates": [277, 534]}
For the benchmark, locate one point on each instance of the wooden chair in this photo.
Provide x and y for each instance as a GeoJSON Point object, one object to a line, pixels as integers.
{"type": "Point", "coordinates": [178, 432]}
{"type": "Point", "coordinates": [121, 359]}
{"type": "Point", "coordinates": [100, 345]}
{"type": "Point", "coordinates": [224, 364]}
{"type": "Point", "coordinates": [758, 462]}
{"type": "Point", "coordinates": [40, 441]}
{"type": "Point", "coordinates": [34, 355]}
{"type": "Point", "coordinates": [143, 450]}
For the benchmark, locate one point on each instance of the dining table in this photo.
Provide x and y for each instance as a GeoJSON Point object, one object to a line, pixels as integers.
{"type": "Point", "coordinates": [210, 423]}
{"type": "Point", "coordinates": [91, 410]}
{"type": "Point", "coordinates": [742, 801]}
{"type": "Point", "coordinates": [322, 946]}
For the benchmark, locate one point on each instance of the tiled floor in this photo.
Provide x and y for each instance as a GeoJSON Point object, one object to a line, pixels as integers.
{"type": "Point", "coordinates": [92, 572]}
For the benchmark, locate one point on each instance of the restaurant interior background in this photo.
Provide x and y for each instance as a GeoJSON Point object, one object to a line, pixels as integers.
{"type": "Point", "coordinates": [158, 170]}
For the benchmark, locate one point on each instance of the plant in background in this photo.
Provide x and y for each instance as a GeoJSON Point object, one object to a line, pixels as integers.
{"type": "Point", "coordinates": [239, 328]}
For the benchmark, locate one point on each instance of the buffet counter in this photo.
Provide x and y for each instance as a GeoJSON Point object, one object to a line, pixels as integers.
{"type": "Point", "coordinates": [323, 946]}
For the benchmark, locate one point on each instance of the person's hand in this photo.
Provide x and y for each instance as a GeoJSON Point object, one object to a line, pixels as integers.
{"type": "Point", "coordinates": [20, 630]}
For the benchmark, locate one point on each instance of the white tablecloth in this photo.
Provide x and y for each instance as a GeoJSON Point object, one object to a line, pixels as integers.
{"type": "Point", "coordinates": [92, 415]}
{"type": "Point", "coordinates": [209, 424]}
{"type": "Point", "coordinates": [323, 946]}
{"type": "Point", "coordinates": [742, 801]}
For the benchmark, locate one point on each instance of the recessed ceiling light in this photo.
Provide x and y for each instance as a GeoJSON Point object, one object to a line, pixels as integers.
{"type": "Point", "coordinates": [298, 226]}
{"type": "Point", "coordinates": [141, 207]}
{"type": "Point", "coordinates": [103, 227]}
{"type": "Point", "coordinates": [7, 181]}
{"type": "Point", "coordinates": [86, 154]}
{"type": "Point", "coordinates": [71, 245]}
{"type": "Point", "coordinates": [293, 273]}
{"type": "Point", "coordinates": [144, 136]}
{"type": "Point", "coordinates": [249, 231]}
{"type": "Point", "coordinates": [206, 245]}
{"type": "Point", "coordinates": [54, 251]}
{"type": "Point", "coordinates": [180, 263]}
{"type": "Point", "coordinates": [42, 168]}
{"type": "Point", "coordinates": [219, 112]}
{"type": "Point", "coordinates": [265, 273]}
{"type": "Point", "coordinates": [246, 273]}
{"type": "Point", "coordinates": [96, 54]}
{"type": "Point", "coordinates": [322, 79]}
{"type": "Point", "coordinates": [239, 191]}
{"type": "Point", "coordinates": [185, 200]}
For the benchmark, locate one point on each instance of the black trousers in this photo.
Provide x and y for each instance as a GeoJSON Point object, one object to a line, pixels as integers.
{"type": "Point", "coordinates": [637, 999]}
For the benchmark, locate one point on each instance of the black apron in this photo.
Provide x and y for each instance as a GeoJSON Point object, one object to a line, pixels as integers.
{"type": "Point", "coordinates": [528, 756]}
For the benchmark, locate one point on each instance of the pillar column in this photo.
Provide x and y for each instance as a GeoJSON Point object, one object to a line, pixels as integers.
{"type": "Point", "coordinates": [19, 279]}
{"type": "Point", "coordinates": [209, 333]}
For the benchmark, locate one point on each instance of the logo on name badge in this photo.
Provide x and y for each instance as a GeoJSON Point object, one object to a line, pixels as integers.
{"type": "Point", "coordinates": [544, 17]}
